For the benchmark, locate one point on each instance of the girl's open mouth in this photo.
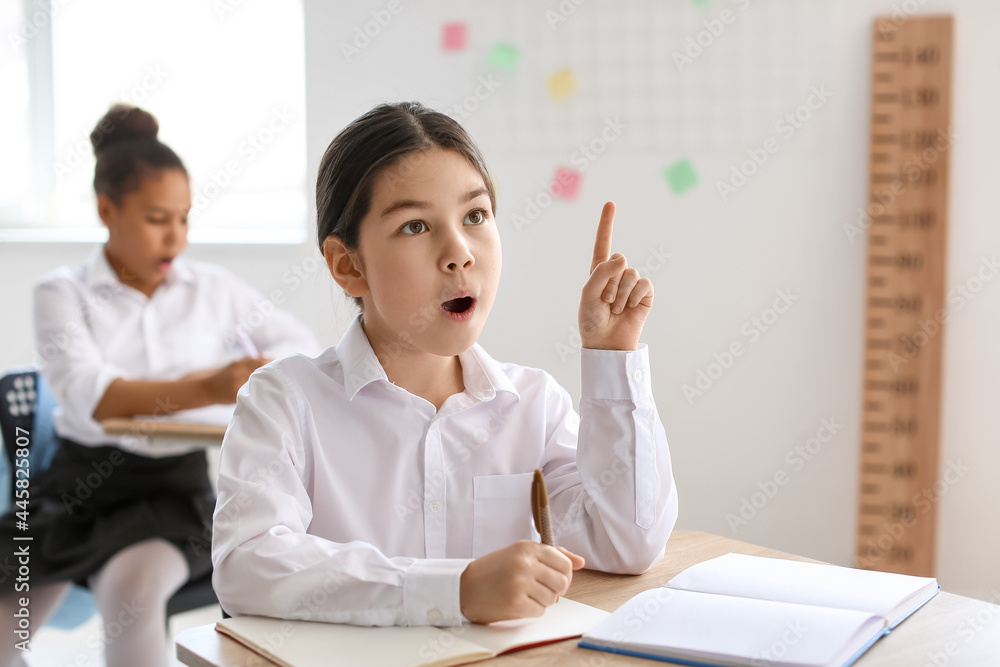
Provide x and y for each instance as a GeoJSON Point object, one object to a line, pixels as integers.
{"type": "Point", "coordinates": [460, 309]}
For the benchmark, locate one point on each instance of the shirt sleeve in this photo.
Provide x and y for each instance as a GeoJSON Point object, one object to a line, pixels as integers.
{"type": "Point", "coordinates": [68, 356]}
{"type": "Point", "coordinates": [608, 470]}
{"type": "Point", "coordinates": [266, 561]}
{"type": "Point", "coordinates": [275, 332]}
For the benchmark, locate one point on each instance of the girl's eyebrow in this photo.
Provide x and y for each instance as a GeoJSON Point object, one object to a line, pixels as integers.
{"type": "Point", "coordinates": [161, 209]}
{"type": "Point", "coordinates": [414, 203]}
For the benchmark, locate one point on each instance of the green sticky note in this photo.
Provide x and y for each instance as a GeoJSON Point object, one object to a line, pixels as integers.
{"type": "Point", "coordinates": [681, 176]}
{"type": "Point", "coordinates": [504, 56]}
{"type": "Point", "coordinates": [701, 3]}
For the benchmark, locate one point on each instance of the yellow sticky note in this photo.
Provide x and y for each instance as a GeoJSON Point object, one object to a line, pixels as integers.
{"type": "Point", "coordinates": [562, 84]}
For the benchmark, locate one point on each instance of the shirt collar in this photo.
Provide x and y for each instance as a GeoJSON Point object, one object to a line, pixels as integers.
{"type": "Point", "coordinates": [482, 375]}
{"type": "Point", "coordinates": [99, 270]}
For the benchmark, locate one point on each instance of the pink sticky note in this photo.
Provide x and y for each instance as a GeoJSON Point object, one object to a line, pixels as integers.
{"type": "Point", "coordinates": [566, 183]}
{"type": "Point", "coordinates": [454, 36]}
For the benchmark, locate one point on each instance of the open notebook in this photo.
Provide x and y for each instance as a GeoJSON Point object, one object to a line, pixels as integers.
{"type": "Point", "coordinates": [310, 644]}
{"type": "Point", "coordinates": [738, 610]}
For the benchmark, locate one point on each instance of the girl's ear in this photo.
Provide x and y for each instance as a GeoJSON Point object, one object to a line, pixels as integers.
{"type": "Point", "coordinates": [106, 209]}
{"type": "Point", "coordinates": [345, 266]}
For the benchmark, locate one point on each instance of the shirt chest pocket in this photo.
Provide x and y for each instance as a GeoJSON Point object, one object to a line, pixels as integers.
{"type": "Point", "coordinates": [502, 512]}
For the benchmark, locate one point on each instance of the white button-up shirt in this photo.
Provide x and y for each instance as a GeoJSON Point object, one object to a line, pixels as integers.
{"type": "Point", "coordinates": [90, 329]}
{"type": "Point", "coordinates": [345, 498]}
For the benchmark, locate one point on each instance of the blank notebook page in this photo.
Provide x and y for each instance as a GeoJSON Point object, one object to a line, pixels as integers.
{"type": "Point", "coordinates": [889, 595]}
{"type": "Point", "coordinates": [732, 630]}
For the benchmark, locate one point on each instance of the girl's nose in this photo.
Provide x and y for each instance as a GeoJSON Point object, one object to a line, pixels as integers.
{"type": "Point", "coordinates": [176, 234]}
{"type": "Point", "coordinates": [458, 254]}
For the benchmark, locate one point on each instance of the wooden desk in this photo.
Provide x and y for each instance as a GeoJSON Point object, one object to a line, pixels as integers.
{"type": "Point", "coordinates": [163, 428]}
{"type": "Point", "coordinates": [943, 632]}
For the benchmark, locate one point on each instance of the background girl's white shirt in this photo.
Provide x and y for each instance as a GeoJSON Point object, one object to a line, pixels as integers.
{"type": "Point", "coordinates": [344, 498]}
{"type": "Point", "coordinates": [90, 329]}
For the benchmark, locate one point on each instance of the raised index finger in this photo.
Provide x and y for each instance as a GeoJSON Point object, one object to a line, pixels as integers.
{"type": "Point", "coordinates": [602, 246]}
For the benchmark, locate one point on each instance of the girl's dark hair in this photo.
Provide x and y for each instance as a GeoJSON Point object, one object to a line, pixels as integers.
{"type": "Point", "coordinates": [127, 151]}
{"type": "Point", "coordinates": [372, 143]}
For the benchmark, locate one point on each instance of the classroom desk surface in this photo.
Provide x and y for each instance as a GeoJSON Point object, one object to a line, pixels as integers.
{"type": "Point", "coordinates": [949, 630]}
{"type": "Point", "coordinates": [159, 427]}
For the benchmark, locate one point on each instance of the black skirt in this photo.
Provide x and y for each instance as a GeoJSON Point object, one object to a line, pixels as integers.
{"type": "Point", "coordinates": [92, 502]}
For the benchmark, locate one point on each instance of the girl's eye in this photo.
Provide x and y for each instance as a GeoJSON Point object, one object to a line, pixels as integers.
{"type": "Point", "coordinates": [156, 221]}
{"type": "Point", "coordinates": [409, 226]}
{"type": "Point", "coordinates": [476, 217]}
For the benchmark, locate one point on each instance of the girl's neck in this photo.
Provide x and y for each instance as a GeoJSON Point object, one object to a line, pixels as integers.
{"type": "Point", "coordinates": [127, 277]}
{"type": "Point", "coordinates": [430, 376]}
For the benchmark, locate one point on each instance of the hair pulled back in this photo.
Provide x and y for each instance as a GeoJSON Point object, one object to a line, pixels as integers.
{"type": "Point", "coordinates": [128, 151]}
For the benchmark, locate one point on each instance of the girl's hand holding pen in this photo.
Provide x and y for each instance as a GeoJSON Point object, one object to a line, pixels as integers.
{"type": "Point", "coordinates": [518, 581]}
{"type": "Point", "coordinates": [615, 300]}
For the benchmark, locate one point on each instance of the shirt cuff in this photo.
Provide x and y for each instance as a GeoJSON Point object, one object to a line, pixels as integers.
{"type": "Point", "coordinates": [99, 383]}
{"type": "Point", "coordinates": [431, 592]}
{"type": "Point", "coordinates": [616, 374]}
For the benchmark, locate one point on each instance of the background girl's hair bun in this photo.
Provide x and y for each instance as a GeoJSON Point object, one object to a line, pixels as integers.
{"type": "Point", "coordinates": [123, 122]}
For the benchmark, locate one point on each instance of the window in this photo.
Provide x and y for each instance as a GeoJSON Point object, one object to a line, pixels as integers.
{"type": "Point", "coordinates": [225, 79]}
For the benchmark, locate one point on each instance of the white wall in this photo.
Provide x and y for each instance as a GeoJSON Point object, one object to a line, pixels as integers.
{"type": "Point", "coordinates": [782, 231]}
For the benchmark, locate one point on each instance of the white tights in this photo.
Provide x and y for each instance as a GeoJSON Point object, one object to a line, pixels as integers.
{"type": "Point", "coordinates": [131, 592]}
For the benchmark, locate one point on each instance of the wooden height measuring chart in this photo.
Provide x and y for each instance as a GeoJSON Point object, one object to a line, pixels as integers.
{"type": "Point", "coordinates": [908, 206]}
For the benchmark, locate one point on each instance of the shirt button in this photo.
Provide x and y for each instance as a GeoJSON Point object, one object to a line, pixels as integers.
{"type": "Point", "coordinates": [435, 505]}
{"type": "Point", "coordinates": [435, 617]}
{"type": "Point", "coordinates": [637, 375]}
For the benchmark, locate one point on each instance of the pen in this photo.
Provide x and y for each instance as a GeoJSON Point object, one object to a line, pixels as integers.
{"type": "Point", "coordinates": [540, 508]}
{"type": "Point", "coordinates": [247, 345]}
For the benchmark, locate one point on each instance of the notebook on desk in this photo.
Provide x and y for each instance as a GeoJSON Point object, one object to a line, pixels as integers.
{"type": "Point", "coordinates": [738, 610]}
{"type": "Point", "coordinates": [216, 415]}
{"type": "Point", "coordinates": [311, 644]}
